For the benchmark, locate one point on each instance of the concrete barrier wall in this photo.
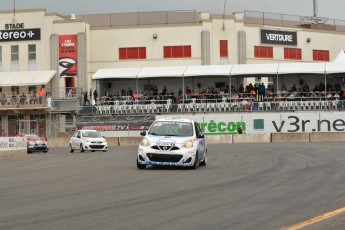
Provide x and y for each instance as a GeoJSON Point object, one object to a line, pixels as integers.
{"type": "Point", "coordinates": [218, 139]}
{"type": "Point", "coordinates": [252, 138]}
{"type": "Point", "coordinates": [13, 153]}
{"type": "Point", "coordinates": [113, 141]}
{"type": "Point", "coordinates": [129, 141]}
{"type": "Point", "coordinates": [327, 137]}
{"type": "Point", "coordinates": [59, 142]}
{"type": "Point", "coordinates": [63, 142]}
{"type": "Point", "coordinates": [290, 137]}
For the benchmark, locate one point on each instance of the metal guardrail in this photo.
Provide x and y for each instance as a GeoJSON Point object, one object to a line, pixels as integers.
{"type": "Point", "coordinates": [214, 106]}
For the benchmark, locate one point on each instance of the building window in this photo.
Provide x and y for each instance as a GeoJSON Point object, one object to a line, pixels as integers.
{"type": "Point", "coordinates": [263, 52]}
{"type": "Point", "coordinates": [223, 48]}
{"type": "Point", "coordinates": [32, 57]}
{"type": "Point", "coordinates": [321, 55]}
{"type": "Point", "coordinates": [292, 53]}
{"type": "Point", "coordinates": [177, 51]}
{"type": "Point", "coordinates": [15, 58]}
{"type": "Point", "coordinates": [132, 53]}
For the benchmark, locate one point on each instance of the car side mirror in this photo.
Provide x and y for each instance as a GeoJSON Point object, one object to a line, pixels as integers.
{"type": "Point", "coordinates": [201, 136]}
{"type": "Point", "coordinates": [143, 133]}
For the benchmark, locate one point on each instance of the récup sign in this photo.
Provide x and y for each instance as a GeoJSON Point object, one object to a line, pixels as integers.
{"type": "Point", "coordinates": [68, 62]}
{"type": "Point", "coordinates": [278, 37]}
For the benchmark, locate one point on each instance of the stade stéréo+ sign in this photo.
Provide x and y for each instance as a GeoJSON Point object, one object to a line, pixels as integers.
{"type": "Point", "coordinates": [279, 37]}
{"type": "Point", "coordinates": [17, 32]}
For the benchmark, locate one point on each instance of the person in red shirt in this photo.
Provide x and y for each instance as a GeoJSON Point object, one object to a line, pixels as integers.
{"type": "Point", "coordinates": [41, 95]}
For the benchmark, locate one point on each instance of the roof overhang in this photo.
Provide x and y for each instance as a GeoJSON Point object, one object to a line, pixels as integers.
{"type": "Point", "coordinates": [116, 73]}
{"type": "Point", "coordinates": [25, 78]}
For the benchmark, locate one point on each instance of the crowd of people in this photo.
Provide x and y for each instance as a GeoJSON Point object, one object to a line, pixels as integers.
{"type": "Point", "coordinates": [250, 92]}
{"type": "Point", "coordinates": [24, 99]}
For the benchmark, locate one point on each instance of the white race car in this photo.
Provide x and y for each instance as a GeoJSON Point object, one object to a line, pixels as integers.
{"type": "Point", "coordinates": [172, 142]}
{"type": "Point", "coordinates": [90, 140]}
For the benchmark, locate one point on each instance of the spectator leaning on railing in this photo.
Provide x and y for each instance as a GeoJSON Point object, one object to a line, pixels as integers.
{"type": "Point", "coordinates": [41, 94]}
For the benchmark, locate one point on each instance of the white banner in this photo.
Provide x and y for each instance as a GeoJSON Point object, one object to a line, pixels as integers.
{"type": "Point", "coordinates": [13, 143]}
{"type": "Point", "coordinates": [268, 122]}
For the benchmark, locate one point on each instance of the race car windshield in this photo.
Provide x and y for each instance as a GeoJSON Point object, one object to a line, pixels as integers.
{"type": "Point", "coordinates": [168, 128]}
{"type": "Point", "coordinates": [33, 138]}
{"type": "Point", "coordinates": [91, 134]}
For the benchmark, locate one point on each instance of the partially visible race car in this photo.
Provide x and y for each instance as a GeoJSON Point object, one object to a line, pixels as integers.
{"type": "Point", "coordinates": [172, 142]}
{"type": "Point", "coordinates": [88, 140]}
{"type": "Point", "coordinates": [35, 143]}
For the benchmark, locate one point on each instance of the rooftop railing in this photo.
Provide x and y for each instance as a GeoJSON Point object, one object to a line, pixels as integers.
{"type": "Point", "coordinates": [293, 21]}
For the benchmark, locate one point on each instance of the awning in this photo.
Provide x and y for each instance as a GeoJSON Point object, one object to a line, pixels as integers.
{"type": "Point", "coordinates": [335, 67]}
{"type": "Point", "coordinates": [116, 73]}
{"type": "Point", "coordinates": [254, 69]}
{"type": "Point", "coordinates": [302, 68]}
{"type": "Point", "coordinates": [340, 57]}
{"type": "Point", "coordinates": [208, 70]}
{"type": "Point", "coordinates": [170, 71]}
{"type": "Point", "coordinates": [25, 78]}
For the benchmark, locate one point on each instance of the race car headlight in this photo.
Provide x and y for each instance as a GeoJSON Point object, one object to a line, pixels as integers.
{"type": "Point", "coordinates": [145, 142]}
{"type": "Point", "coordinates": [188, 144]}
{"type": "Point", "coordinates": [31, 143]}
{"type": "Point", "coordinates": [87, 140]}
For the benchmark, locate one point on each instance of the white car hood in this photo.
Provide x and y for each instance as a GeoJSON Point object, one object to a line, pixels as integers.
{"type": "Point", "coordinates": [177, 140]}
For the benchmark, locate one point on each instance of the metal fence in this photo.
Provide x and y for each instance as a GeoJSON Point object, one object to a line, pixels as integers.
{"type": "Point", "coordinates": [140, 18]}
{"type": "Point", "coordinates": [293, 21]}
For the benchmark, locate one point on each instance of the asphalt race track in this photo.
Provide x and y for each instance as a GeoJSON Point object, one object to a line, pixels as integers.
{"type": "Point", "coordinates": [244, 186]}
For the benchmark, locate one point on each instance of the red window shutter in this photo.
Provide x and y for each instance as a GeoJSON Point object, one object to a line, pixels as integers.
{"type": "Point", "coordinates": [256, 51]}
{"type": "Point", "coordinates": [187, 51]}
{"type": "Point", "coordinates": [270, 52]}
{"type": "Point", "coordinates": [315, 57]}
{"type": "Point", "coordinates": [132, 53]}
{"type": "Point", "coordinates": [122, 53]}
{"type": "Point", "coordinates": [223, 44]}
{"type": "Point", "coordinates": [142, 53]}
{"type": "Point", "coordinates": [263, 52]}
{"type": "Point", "coordinates": [167, 51]}
{"type": "Point", "coordinates": [326, 55]}
{"type": "Point", "coordinates": [177, 51]}
{"type": "Point", "coordinates": [299, 54]}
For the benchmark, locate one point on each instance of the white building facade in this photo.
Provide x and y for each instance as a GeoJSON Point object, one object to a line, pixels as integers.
{"type": "Point", "coordinates": [76, 47]}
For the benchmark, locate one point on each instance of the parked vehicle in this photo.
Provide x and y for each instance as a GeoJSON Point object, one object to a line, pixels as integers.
{"type": "Point", "coordinates": [88, 140]}
{"type": "Point", "coordinates": [35, 143]}
{"type": "Point", "coordinates": [172, 142]}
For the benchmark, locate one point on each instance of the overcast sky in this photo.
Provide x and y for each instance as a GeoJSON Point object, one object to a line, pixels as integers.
{"type": "Point", "coordinates": [334, 9]}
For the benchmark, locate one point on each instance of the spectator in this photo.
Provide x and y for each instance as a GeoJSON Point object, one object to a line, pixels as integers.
{"type": "Point", "coordinates": [129, 92]}
{"type": "Point", "coordinates": [188, 91]}
{"type": "Point", "coordinates": [123, 92]}
{"type": "Point", "coordinates": [95, 96]}
{"type": "Point", "coordinates": [41, 94]}
{"type": "Point", "coordinates": [179, 92]}
{"type": "Point", "coordinates": [262, 91]}
{"type": "Point", "coordinates": [164, 91]}
{"type": "Point", "coordinates": [283, 88]}
{"type": "Point", "coordinates": [305, 89]}
{"type": "Point", "coordinates": [86, 99]}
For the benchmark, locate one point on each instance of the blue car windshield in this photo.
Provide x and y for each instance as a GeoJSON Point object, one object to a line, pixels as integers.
{"type": "Point", "coordinates": [171, 128]}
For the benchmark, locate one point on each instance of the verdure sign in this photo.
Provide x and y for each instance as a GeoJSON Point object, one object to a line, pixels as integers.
{"type": "Point", "coordinates": [16, 32]}
{"type": "Point", "coordinates": [278, 37]}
